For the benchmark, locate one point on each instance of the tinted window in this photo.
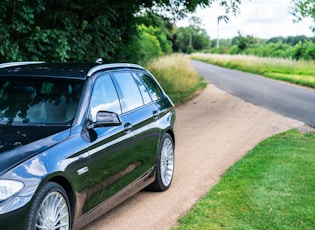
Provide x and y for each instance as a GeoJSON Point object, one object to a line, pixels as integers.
{"type": "Point", "coordinates": [38, 100]}
{"type": "Point", "coordinates": [154, 90]}
{"type": "Point", "coordinates": [131, 93]}
{"type": "Point", "coordinates": [144, 92]}
{"type": "Point", "coordinates": [104, 97]}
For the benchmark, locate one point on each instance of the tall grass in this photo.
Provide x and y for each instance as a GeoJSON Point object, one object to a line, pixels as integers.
{"type": "Point", "coordinates": [177, 77]}
{"type": "Point", "coordinates": [299, 72]}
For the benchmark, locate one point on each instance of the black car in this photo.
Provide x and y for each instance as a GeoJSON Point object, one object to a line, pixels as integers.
{"type": "Point", "coordinates": [77, 139]}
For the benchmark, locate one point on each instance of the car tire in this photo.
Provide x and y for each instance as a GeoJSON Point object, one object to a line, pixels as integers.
{"type": "Point", "coordinates": [165, 165]}
{"type": "Point", "coordinates": [50, 209]}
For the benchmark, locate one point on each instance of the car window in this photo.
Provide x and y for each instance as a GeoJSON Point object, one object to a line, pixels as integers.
{"type": "Point", "coordinates": [104, 97]}
{"type": "Point", "coordinates": [129, 87]}
{"type": "Point", "coordinates": [38, 100]}
{"type": "Point", "coordinates": [154, 90]}
{"type": "Point", "coordinates": [144, 92]}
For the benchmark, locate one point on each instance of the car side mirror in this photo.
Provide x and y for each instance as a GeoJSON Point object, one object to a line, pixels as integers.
{"type": "Point", "coordinates": [105, 118]}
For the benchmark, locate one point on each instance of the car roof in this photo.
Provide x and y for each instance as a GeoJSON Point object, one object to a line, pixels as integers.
{"type": "Point", "coordinates": [59, 70]}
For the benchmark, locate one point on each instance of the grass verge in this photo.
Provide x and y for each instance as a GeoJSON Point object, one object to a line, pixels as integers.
{"type": "Point", "coordinates": [297, 72]}
{"type": "Point", "coordinates": [177, 77]}
{"type": "Point", "coordinates": [272, 187]}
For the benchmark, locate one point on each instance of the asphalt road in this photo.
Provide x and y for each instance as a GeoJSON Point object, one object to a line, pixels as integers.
{"type": "Point", "coordinates": [286, 99]}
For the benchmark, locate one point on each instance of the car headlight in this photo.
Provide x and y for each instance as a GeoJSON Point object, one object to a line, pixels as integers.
{"type": "Point", "coordinates": [9, 187]}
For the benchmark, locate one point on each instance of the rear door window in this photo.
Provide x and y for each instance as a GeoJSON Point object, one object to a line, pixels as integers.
{"type": "Point", "coordinates": [130, 91]}
{"type": "Point", "coordinates": [143, 89]}
{"type": "Point", "coordinates": [153, 88]}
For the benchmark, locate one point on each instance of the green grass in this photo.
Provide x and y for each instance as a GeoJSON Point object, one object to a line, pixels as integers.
{"type": "Point", "coordinates": [177, 77]}
{"type": "Point", "coordinates": [272, 187]}
{"type": "Point", "coordinates": [297, 72]}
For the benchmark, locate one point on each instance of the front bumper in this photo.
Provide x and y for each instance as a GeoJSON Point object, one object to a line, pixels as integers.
{"type": "Point", "coordinates": [14, 212]}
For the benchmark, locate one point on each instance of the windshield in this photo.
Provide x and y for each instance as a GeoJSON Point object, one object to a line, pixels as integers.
{"type": "Point", "coordinates": [31, 100]}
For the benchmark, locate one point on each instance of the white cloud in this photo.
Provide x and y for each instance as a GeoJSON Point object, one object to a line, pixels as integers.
{"type": "Point", "coordinates": [260, 18]}
{"type": "Point", "coordinates": [36, 167]}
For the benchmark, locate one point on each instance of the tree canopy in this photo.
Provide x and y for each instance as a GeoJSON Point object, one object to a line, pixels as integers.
{"type": "Point", "coordinates": [303, 9]}
{"type": "Point", "coordinates": [291, 47]}
{"type": "Point", "coordinates": [192, 38]}
{"type": "Point", "coordinates": [80, 30]}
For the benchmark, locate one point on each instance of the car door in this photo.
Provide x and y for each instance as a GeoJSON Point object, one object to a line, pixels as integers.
{"type": "Point", "coordinates": [111, 148]}
{"type": "Point", "coordinates": [143, 114]}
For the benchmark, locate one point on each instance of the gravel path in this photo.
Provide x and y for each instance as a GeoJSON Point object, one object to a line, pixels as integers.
{"type": "Point", "coordinates": [213, 131]}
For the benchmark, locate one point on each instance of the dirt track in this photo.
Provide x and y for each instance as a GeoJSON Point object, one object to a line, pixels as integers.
{"type": "Point", "coordinates": [213, 131]}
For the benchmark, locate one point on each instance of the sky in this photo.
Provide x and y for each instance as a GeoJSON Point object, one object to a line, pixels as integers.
{"type": "Point", "coordinates": [259, 18]}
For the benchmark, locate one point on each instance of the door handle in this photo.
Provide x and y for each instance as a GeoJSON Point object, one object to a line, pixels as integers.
{"type": "Point", "coordinates": [128, 127]}
{"type": "Point", "coordinates": [155, 114]}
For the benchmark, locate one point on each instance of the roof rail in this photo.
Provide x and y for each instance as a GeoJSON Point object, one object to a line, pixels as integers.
{"type": "Point", "coordinates": [111, 66]}
{"type": "Point", "coordinates": [10, 64]}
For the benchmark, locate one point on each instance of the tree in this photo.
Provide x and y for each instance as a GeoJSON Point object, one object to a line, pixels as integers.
{"type": "Point", "coordinates": [188, 39]}
{"type": "Point", "coordinates": [275, 39]}
{"type": "Point", "coordinates": [303, 9]}
{"type": "Point", "coordinates": [80, 30]}
{"type": "Point", "coordinates": [182, 42]}
{"type": "Point", "coordinates": [160, 27]}
{"type": "Point", "coordinates": [148, 44]}
{"type": "Point", "coordinates": [193, 37]}
{"type": "Point", "coordinates": [244, 42]}
{"type": "Point", "coordinates": [304, 50]}
{"type": "Point", "coordinates": [293, 40]}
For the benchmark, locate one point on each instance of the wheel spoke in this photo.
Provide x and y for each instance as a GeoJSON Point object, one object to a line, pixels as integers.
{"type": "Point", "coordinates": [53, 213]}
{"type": "Point", "coordinates": [167, 161]}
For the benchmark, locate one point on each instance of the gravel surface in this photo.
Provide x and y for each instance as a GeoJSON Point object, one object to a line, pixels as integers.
{"type": "Point", "coordinates": [213, 131]}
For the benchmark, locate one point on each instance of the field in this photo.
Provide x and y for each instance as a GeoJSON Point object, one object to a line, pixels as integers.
{"type": "Point", "coordinates": [298, 72]}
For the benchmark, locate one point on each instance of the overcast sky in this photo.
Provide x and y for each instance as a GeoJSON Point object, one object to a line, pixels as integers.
{"type": "Point", "coordinates": [259, 18]}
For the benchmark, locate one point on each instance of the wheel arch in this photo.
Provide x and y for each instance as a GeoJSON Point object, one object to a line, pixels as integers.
{"type": "Point", "coordinates": [63, 182]}
{"type": "Point", "coordinates": [171, 133]}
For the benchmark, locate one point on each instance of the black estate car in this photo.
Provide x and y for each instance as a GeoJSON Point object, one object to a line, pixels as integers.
{"type": "Point", "coordinates": [77, 139]}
